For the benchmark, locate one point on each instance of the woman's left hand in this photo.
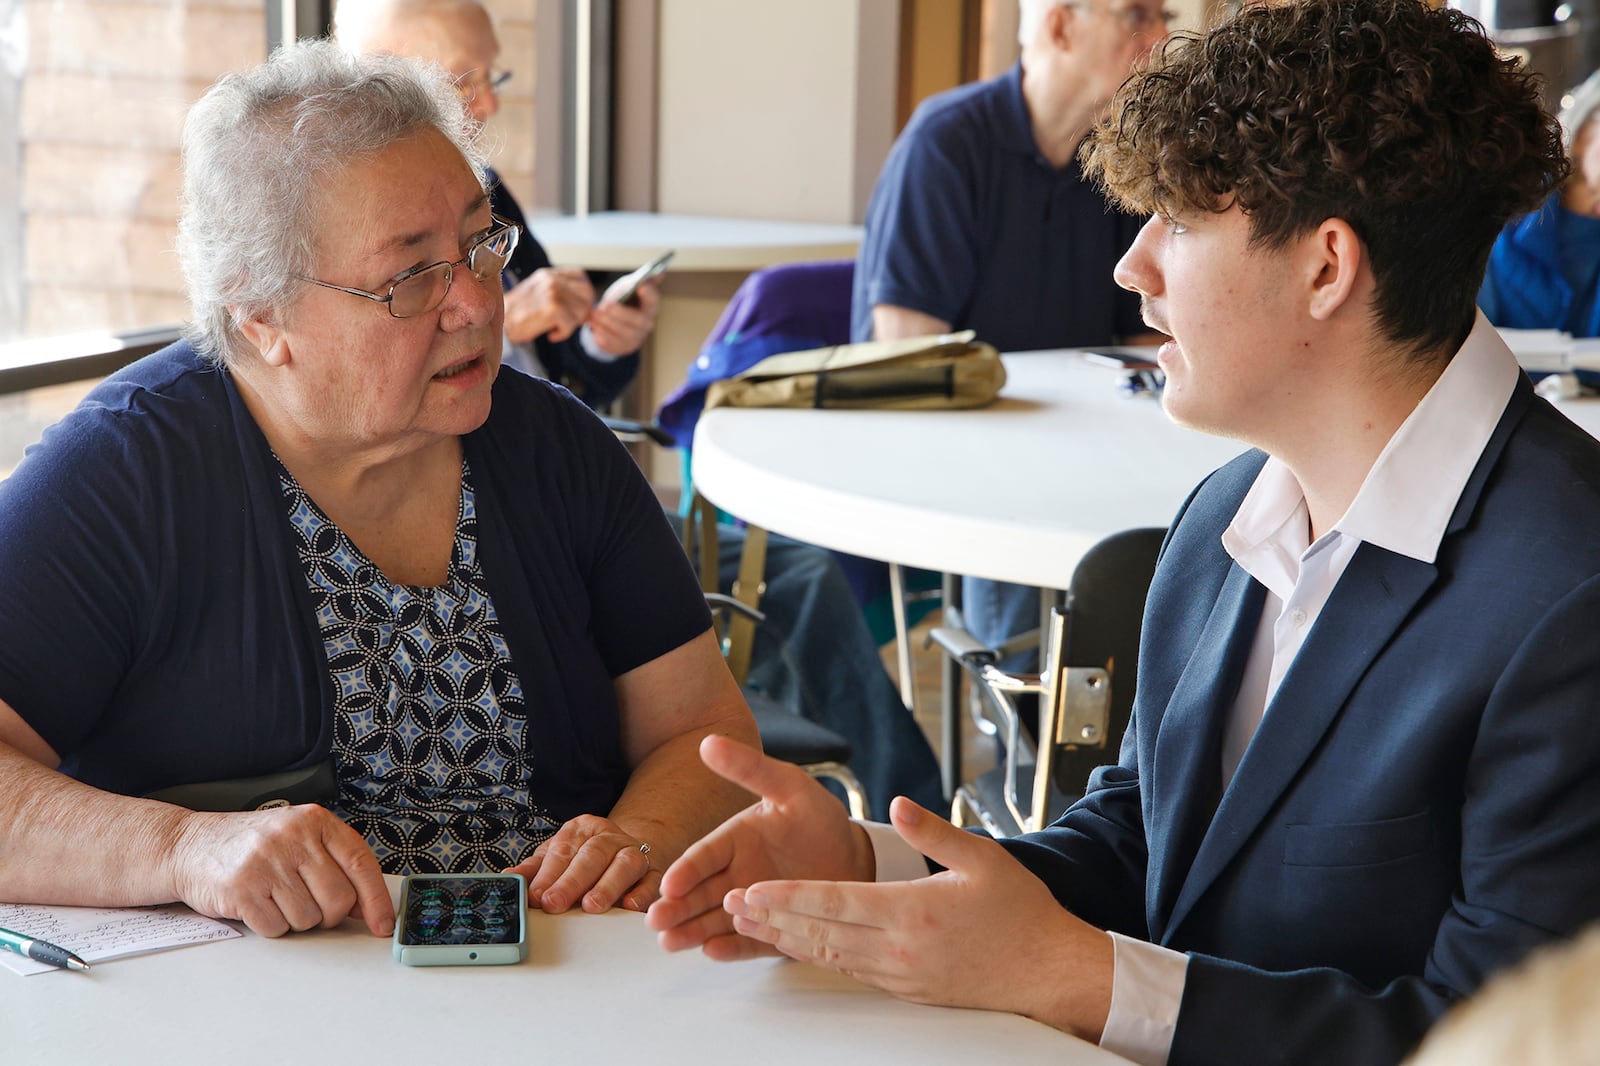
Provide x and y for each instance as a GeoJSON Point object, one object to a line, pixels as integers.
{"type": "Point", "coordinates": [594, 860]}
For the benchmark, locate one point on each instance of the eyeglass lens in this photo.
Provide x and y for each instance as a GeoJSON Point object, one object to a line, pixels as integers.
{"type": "Point", "coordinates": [1139, 19]}
{"type": "Point", "coordinates": [470, 85]}
{"type": "Point", "coordinates": [426, 289]}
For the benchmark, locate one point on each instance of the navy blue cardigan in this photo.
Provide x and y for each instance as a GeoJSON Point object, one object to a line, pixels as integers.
{"type": "Point", "coordinates": [158, 628]}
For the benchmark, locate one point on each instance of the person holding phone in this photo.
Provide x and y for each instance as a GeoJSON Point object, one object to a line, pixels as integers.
{"type": "Point", "coordinates": [555, 327]}
{"type": "Point", "coordinates": [327, 527]}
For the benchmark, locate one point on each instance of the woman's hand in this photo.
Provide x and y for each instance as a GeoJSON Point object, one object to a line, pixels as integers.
{"type": "Point", "coordinates": [665, 708]}
{"type": "Point", "coordinates": [289, 868]}
{"type": "Point", "coordinates": [594, 860]}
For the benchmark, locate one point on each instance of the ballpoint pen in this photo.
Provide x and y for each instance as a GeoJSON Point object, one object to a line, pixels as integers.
{"type": "Point", "coordinates": [40, 950]}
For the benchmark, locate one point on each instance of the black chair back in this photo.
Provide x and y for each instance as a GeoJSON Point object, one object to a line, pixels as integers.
{"type": "Point", "coordinates": [1105, 612]}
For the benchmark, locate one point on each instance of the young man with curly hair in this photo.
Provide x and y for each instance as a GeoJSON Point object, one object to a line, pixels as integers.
{"type": "Point", "coordinates": [1363, 771]}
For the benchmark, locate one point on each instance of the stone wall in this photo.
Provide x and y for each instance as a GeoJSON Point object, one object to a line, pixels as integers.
{"type": "Point", "coordinates": [103, 94]}
{"type": "Point", "coordinates": [91, 201]}
{"type": "Point", "coordinates": [511, 133]}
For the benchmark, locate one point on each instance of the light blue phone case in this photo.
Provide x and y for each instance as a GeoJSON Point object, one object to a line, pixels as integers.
{"type": "Point", "coordinates": [462, 920]}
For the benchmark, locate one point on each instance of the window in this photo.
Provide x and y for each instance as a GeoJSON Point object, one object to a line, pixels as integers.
{"type": "Point", "coordinates": [92, 96]}
{"type": "Point", "coordinates": [96, 91]}
{"type": "Point", "coordinates": [92, 99]}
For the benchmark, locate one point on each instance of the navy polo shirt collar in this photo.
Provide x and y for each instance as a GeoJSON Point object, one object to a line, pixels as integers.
{"type": "Point", "coordinates": [1014, 125]}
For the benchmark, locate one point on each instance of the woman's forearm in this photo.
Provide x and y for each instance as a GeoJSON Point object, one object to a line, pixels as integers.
{"type": "Point", "coordinates": [672, 799]}
{"type": "Point", "coordinates": [62, 841]}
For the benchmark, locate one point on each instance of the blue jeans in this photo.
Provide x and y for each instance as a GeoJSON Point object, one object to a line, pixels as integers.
{"type": "Point", "coordinates": [996, 611]}
{"type": "Point", "coordinates": [815, 655]}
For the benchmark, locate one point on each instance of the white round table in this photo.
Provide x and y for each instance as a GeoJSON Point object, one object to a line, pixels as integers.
{"type": "Point", "coordinates": [622, 240]}
{"type": "Point", "coordinates": [594, 988]}
{"type": "Point", "coordinates": [1017, 491]}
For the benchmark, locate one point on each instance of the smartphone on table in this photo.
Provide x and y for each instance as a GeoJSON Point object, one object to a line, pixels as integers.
{"type": "Point", "coordinates": [1141, 372]}
{"type": "Point", "coordinates": [462, 920]}
{"type": "Point", "coordinates": [1123, 357]}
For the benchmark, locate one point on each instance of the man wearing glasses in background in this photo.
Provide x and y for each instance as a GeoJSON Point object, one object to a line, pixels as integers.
{"type": "Point", "coordinates": [982, 219]}
{"type": "Point", "coordinates": [554, 327]}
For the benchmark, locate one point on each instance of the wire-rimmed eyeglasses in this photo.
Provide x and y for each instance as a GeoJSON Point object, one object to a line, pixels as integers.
{"type": "Point", "coordinates": [1135, 18]}
{"type": "Point", "coordinates": [470, 85]}
{"type": "Point", "coordinates": [421, 289]}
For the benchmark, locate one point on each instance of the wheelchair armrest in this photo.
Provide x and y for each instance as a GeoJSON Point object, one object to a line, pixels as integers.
{"type": "Point", "coordinates": [738, 607]}
{"type": "Point", "coordinates": [962, 646]}
{"type": "Point", "coordinates": [311, 784]}
{"type": "Point", "coordinates": [629, 429]}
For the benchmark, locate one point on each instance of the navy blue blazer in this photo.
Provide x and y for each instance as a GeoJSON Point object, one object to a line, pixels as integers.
{"type": "Point", "coordinates": [1420, 805]}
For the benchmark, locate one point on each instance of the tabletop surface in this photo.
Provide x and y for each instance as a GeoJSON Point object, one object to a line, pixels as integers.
{"type": "Point", "coordinates": [595, 988]}
{"type": "Point", "coordinates": [621, 240]}
{"type": "Point", "coordinates": [1016, 491]}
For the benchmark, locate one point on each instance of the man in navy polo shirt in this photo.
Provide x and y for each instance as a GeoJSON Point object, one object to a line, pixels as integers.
{"type": "Point", "coordinates": [982, 220]}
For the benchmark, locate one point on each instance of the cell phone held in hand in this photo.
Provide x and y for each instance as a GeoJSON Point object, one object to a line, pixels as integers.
{"type": "Point", "coordinates": [462, 920]}
{"type": "Point", "coordinates": [627, 286]}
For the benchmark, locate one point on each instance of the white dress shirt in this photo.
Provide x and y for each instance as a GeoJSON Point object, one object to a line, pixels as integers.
{"type": "Point", "coordinates": [1404, 504]}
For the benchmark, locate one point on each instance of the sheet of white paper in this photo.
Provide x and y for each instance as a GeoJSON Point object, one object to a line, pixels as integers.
{"type": "Point", "coordinates": [96, 934]}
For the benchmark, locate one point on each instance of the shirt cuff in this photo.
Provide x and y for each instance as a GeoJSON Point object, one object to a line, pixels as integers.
{"type": "Point", "coordinates": [593, 350]}
{"type": "Point", "coordinates": [1146, 989]}
{"type": "Point", "coordinates": [897, 860]}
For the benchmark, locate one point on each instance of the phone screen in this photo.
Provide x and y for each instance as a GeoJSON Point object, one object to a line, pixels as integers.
{"type": "Point", "coordinates": [464, 909]}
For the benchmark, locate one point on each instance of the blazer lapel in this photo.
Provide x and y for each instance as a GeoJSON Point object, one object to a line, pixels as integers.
{"type": "Point", "coordinates": [1377, 592]}
{"type": "Point", "coordinates": [1185, 774]}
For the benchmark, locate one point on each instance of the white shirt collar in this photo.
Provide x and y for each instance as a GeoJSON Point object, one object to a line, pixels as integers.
{"type": "Point", "coordinates": [1408, 496]}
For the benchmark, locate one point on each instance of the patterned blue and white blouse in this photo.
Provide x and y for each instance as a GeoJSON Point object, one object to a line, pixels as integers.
{"type": "Point", "coordinates": [430, 742]}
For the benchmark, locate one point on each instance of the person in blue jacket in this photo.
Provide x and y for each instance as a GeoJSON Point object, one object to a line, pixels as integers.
{"type": "Point", "coordinates": [1363, 768]}
{"type": "Point", "coordinates": [1544, 270]}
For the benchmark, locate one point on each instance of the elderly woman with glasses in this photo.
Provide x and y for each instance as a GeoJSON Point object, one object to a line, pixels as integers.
{"type": "Point", "coordinates": [326, 530]}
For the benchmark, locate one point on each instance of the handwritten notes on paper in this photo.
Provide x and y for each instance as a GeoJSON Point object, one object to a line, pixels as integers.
{"type": "Point", "coordinates": [96, 934]}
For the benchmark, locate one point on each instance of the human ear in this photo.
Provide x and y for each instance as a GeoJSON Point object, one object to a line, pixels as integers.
{"type": "Point", "coordinates": [264, 334]}
{"type": "Point", "coordinates": [1335, 258]}
{"type": "Point", "coordinates": [1059, 25]}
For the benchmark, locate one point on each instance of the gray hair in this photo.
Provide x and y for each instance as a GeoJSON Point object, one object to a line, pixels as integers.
{"type": "Point", "coordinates": [1577, 108]}
{"type": "Point", "coordinates": [257, 150]}
{"type": "Point", "coordinates": [1030, 16]}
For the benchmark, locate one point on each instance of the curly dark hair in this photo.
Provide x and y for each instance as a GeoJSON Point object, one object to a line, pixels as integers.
{"type": "Point", "coordinates": [1395, 117]}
